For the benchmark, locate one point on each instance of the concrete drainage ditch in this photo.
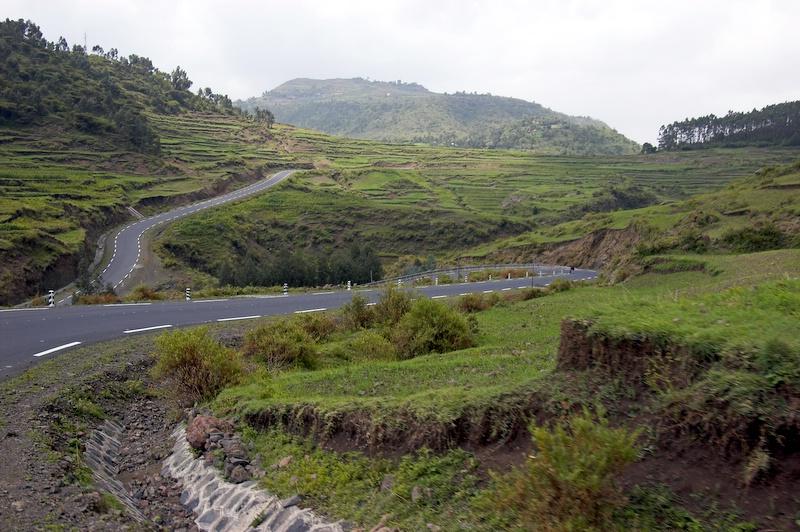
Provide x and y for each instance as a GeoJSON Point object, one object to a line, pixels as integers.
{"type": "Point", "coordinates": [222, 505]}
{"type": "Point", "coordinates": [216, 503]}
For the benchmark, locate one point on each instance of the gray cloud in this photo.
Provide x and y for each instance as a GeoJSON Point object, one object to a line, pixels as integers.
{"type": "Point", "coordinates": [634, 64]}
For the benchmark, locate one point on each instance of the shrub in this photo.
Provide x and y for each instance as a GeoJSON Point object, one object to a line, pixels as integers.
{"type": "Point", "coordinates": [280, 345]}
{"type": "Point", "coordinates": [560, 285]}
{"type": "Point", "coordinates": [320, 326]}
{"type": "Point", "coordinates": [477, 302]}
{"type": "Point", "coordinates": [393, 305]}
{"type": "Point", "coordinates": [198, 364]}
{"type": "Point", "coordinates": [357, 314]}
{"type": "Point", "coordinates": [431, 326]}
{"type": "Point", "coordinates": [370, 345]}
{"type": "Point", "coordinates": [753, 239]}
{"type": "Point", "coordinates": [145, 293]}
{"type": "Point", "coordinates": [569, 483]}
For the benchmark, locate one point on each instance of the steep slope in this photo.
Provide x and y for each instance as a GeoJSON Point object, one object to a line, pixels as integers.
{"type": "Point", "coordinates": [408, 112]}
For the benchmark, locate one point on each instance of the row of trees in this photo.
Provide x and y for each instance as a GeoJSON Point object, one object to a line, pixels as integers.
{"type": "Point", "coordinates": [777, 124]}
{"type": "Point", "coordinates": [359, 264]}
{"type": "Point", "coordinates": [98, 93]}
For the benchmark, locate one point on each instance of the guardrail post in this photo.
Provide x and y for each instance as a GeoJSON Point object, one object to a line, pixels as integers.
{"type": "Point", "coordinates": [285, 289]}
{"type": "Point", "coordinates": [51, 298]}
{"type": "Point", "coordinates": [188, 294]}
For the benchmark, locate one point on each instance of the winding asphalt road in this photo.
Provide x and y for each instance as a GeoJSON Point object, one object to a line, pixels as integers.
{"type": "Point", "coordinates": [31, 335]}
{"type": "Point", "coordinates": [128, 241]}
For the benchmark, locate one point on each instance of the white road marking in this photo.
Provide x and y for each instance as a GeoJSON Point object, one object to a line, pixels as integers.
{"type": "Point", "coordinates": [321, 293]}
{"type": "Point", "coordinates": [22, 309]}
{"type": "Point", "coordinates": [506, 289]}
{"type": "Point", "coordinates": [54, 349]}
{"type": "Point", "coordinates": [309, 310]}
{"type": "Point", "coordinates": [465, 293]}
{"type": "Point", "coordinates": [240, 318]}
{"type": "Point", "coordinates": [126, 304]}
{"type": "Point", "coordinates": [207, 300]}
{"type": "Point", "coordinates": [371, 304]}
{"type": "Point", "coordinates": [437, 297]}
{"type": "Point", "coordinates": [488, 291]}
{"type": "Point", "coordinates": [521, 287]}
{"type": "Point", "coordinates": [129, 331]}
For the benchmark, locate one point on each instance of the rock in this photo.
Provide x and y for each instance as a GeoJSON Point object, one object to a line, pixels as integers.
{"type": "Point", "coordinates": [387, 483]}
{"type": "Point", "coordinates": [94, 501]}
{"type": "Point", "coordinates": [433, 528]}
{"type": "Point", "coordinates": [285, 461]}
{"type": "Point", "coordinates": [18, 505]}
{"type": "Point", "coordinates": [294, 500]}
{"type": "Point", "coordinates": [201, 426]}
{"type": "Point", "coordinates": [239, 475]}
{"type": "Point", "coordinates": [416, 494]}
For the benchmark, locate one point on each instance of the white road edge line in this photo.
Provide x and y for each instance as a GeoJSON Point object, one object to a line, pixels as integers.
{"type": "Point", "coordinates": [23, 309]}
{"type": "Point", "coordinates": [129, 331]}
{"type": "Point", "coordinates": [321, 293]}
{"type": "Point", "coordinates": [240, 318]}
{"type": "Point", "coordinates": [126, 304]}
{"type": "Point", "coordinates": [207, 300]}
{"type": "Point", "coordinates": [309, 310]}
{"type": "Point", "coordinates": [59, 348]}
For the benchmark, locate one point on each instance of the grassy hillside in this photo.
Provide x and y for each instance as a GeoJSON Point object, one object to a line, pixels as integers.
{"type": "Point", "coordinates": [679, 356]}
{"type": "Point", "coordinates": [409, 202]}
{"type": "Point", "coordinates": [408, 112]}
{"type": "Point", "coordinates": [754, 213]}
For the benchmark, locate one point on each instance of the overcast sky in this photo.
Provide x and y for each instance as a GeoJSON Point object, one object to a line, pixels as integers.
{"type": "Point", "coordinates": [633, 64]}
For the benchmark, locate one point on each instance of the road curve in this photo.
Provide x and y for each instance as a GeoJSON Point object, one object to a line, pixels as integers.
{"type": "Point", "coordinates": [128, 241]}
{"type": "Point", "coordinates": [34, 334]}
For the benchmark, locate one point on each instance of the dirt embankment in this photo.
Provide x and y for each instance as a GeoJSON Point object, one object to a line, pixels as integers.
{"type": "Point", "coordinates": [699, 443]}
{"type": "Point", "coordinates": [600, 249]}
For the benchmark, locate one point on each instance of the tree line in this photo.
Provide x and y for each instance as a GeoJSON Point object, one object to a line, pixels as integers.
{"type": "Point", "coordinates": [777, 124]}
{"type": "Point", "coordinates": [97, 92]}
{"type": "Point", "coordinates": [309, 267]}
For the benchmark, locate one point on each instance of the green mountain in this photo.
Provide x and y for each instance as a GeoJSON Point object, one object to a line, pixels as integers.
{"type": "Point", "coordinates": [408, 112]}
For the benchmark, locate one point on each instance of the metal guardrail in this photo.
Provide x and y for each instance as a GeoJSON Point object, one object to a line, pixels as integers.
{"type": "Point", "coordinates": [459, 271]}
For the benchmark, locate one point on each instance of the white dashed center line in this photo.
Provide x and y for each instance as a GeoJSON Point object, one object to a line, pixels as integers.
{"type": "Point", "coordinates": [309, 310]}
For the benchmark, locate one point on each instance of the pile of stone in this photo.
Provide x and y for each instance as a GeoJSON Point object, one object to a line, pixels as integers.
{"type": "Point", "coordinates": [222, 447]}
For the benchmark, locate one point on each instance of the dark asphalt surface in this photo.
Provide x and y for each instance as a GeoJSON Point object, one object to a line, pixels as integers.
{"type": "Point", "coordinates": [31, 335]}
{"type": "Point", "coordinates": [128, 241]}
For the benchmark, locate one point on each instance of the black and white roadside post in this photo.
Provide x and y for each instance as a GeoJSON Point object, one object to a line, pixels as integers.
{"type": "Point", "coordinates": [51, 298]}
{"type": "Point", "coordinates": [285, 289]}
{"type": "Point", "coordinates": [435, 281]}
{"type": "Point", "coordinates": [466, 278]}
{"type": "Point", "coordinates": [509, 276]}
{"type": "Point", "coordinates": [399, 283]}
{"type": "Point", "coordinates": [349, 285]}
{"type": "Point", "coordinates": [188, 294]}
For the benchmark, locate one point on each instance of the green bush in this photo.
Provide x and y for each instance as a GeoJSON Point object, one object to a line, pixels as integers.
{"type": "Point", "coordinates": [477, 302]}
{"type": "Point", "coordinates": [197, 363]}
{"type": "Point", "coordinates": [320, 326]}
{"type": "Point", "coordinates": [393, 305]}
{"type": "Point", "coordinates": [560, 285]}
{"type": "Point", "coordinates": [431, 326]}
{"type": "Point", "coordinates": [370, 345]}
{"type": "Point", "coordinates": [569, 483]}
{"type": "Point", "coordinates": [357, 314]}
{"type": "Point", "coordinates": [753, 239]}
{"type": "Point", "coordinates": [280, 345]}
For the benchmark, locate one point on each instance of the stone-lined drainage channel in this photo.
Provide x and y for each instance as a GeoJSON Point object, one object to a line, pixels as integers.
{"type": "Point", "coordinates": [216, 503]}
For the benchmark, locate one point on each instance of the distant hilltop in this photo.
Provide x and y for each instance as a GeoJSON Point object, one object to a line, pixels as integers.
{"type": "Point", "coordinates": [397, 111]}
